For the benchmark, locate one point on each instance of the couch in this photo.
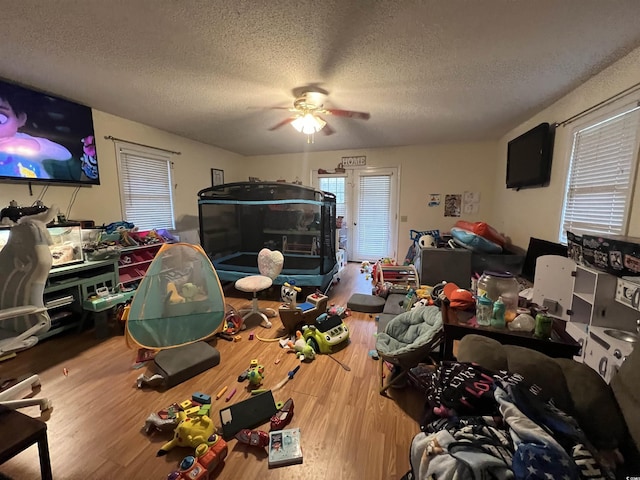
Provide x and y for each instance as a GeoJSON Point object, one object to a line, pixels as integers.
{"type": "Point", "coordinates": [608, 414]}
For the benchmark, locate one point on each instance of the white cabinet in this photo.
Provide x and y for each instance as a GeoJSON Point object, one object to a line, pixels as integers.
{"type": "Point", "coordinates": [594, 311]}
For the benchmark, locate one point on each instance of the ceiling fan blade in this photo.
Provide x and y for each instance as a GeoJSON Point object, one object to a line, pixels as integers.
{"type": "Point", "coordinates": [326, 130]}
{"type": "Point", "coordinates": [348, 113]}
{"type": "Point", "coordinates": [284, 122]}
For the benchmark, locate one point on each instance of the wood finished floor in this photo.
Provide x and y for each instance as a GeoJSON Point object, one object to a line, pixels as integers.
{"type": "Point", "coordinates": [349, 431]}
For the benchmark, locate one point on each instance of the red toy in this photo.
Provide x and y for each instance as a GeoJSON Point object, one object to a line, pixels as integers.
{"type": "Point", "coordinates": [207, 457]}
{"type": "Point", "coordinates": [255, 438]}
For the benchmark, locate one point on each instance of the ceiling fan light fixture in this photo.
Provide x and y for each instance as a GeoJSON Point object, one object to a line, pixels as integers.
{"type": "Point", "coordinates": [308, 124]}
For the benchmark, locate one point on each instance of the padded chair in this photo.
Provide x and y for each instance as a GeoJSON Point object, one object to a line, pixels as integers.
{"type": "Point", "coordinates": [25, 262]}
{"type": "Point", "coordinates": [407, 340]}
{"type": "Point", "coordinates": [270, 265]}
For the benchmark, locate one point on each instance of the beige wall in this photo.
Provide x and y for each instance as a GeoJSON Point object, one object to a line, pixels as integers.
{"type": "Point", "coordinates": [424, 170]}
{"type": "Point", "coordinates": [536, 212]}
{"type": "Point", "coordinates": [102, 203]}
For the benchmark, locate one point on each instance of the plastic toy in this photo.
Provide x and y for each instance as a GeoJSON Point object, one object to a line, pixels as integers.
{"type": "Point", "coordinates": [208, 456]}
{"type": "Point", "coordinates": [304, 313]}
{"type": "Point", "coordinates": [304, 351]}
{"type": "Point", "coordinates": [328, 332]}
{"type": "Point", "coordinates": [255, 438]}
{"type": "Point", "coordinates": [255, 376]}
{"type": "Point", "coordinates": [289, 294]}
{"type": "Point", "coordinates": [190, 432]}
{"type": "Point", "coordinates": [221, 392]}
{"type": "Point", "coordinates": [233, 322]}
{"type": "Point", "coordinates": [289, 376]}
{"type": "Point", "coordinates": [156, 422]}
{"type": "Point", "coordinates": [201, 398]}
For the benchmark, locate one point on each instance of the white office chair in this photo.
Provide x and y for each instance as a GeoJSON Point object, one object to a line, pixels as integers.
{"type": "Point", "coordinates": [270, 265]}
{"type": "Point", "coordinates": [25, 262]}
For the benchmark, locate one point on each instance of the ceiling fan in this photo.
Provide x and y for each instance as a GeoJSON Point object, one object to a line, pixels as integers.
{"type": "Point", "coordinates": [308, 110]}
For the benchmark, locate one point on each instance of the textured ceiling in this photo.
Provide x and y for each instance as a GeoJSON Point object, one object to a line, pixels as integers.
{"type": "Point", "coordinates": [427, 71]}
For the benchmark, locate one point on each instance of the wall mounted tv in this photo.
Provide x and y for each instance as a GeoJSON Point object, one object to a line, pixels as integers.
{"type": "Point", "coordinates": [45, 139]}
{"type": "Point", "coordinates": [529, 158]}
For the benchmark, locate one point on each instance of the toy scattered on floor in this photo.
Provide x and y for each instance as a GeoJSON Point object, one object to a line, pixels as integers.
{"type": "Point", "coordinates": [190, 432]}
{"type": "Point", "coordinates": [156, 422]}
{"type": "Point", "coordinates": [255, 438]}
{"type": "Point", "coordinates": [208, 456]}
{"type": "Point", "coordinates": [221, 392]}
{"type": "Point", "coordinates": [255, 375]}
{"type": "Point", "coordinates": [289, 293]}
{"type": "Point", "coordinates": [303, 350]}
{"type": "Point", "coordinates": [289, 376]}
{"type": "Point", "coordinates": [374, 354]}
{"type": "Point", "coordinates": [339, 310]}
{"type": "Point", "coordinates": [329, 332]}
{"type": "Point", "coordinates": [153, 381]}
{"type": "Point", "coordinates": [283, 416]}
{"type": "Point", "coordinates": [233, 322]}
{"type": "Point", "coordinates": [231, 394]}
{"type": "Point", "coordinates": [365, 266]}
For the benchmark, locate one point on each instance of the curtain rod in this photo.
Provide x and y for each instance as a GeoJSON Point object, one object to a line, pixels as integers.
{"type": "Point", "coordinates": [109, 137]}
{"type": "Point", "coordinates": [569, 120]}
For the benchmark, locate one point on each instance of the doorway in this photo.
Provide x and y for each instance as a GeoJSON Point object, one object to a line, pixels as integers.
{"type": "Point", "coordinates": [367, 199]}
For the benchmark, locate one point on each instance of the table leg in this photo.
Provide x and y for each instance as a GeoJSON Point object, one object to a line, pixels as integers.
{"type": "Point", "coordinates": [45, 461]}
{"type": "Point", "coordinates": [447, 349]}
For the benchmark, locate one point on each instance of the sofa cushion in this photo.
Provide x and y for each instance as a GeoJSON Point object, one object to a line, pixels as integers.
{"type": "Point", "coordinates": [537, 368]}
{"type": "Point", "coordinates": [395, 304]}
{"type": "Point", "coordinates": [595, 407]}
{"type": "Point", "coordinates": [625, 388]}
{"type": "Point", "coordinates": [360, 302]}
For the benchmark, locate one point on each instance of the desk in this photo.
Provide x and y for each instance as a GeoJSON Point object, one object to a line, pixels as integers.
{"type": "Point", "coordinates": [18, 432]}
{"type": "Point", "coordinates": [454, 325]}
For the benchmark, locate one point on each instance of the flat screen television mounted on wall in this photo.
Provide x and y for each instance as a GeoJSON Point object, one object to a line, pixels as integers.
{"type": "Point", "coordinates": [529, 158]}
{"type": "Point", "coordinates": [45, 139]}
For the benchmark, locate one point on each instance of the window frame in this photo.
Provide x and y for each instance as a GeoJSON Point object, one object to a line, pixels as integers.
{"type": "Point", "coordinates": [163, 158]}
{"type": "Point", "coordinates": [603, 115]}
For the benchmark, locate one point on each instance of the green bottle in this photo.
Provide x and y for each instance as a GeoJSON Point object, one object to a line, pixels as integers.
{"type": "Point", "coordinates": [497, 320]}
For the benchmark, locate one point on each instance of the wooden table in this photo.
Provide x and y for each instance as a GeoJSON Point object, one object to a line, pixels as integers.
{"type": "Point", "coordinates": [18, 432]}
{"type": "Point", "coordinates": [455, 326]}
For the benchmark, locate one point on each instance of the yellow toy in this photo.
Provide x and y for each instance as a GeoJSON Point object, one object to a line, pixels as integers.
{"type": "Point", "coordinates": [190, 432]}
{"type": "Point", "coordinates": [174, 296]}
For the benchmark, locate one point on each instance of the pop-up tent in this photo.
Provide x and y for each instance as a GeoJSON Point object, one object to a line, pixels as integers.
{"type": "Point", "coordinates": [179, 301]}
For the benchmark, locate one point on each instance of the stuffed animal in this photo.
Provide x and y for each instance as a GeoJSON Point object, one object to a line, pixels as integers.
{"type": "Point", "coordinates": [172, 293]}
{"type": "Point", "coordinates": [190, 432]}
{"type": "Point", "coordinates": [189, 291]}
{"type": "Point", "coordinates": [303, 350]}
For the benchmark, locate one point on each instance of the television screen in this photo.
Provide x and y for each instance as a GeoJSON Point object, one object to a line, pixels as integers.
{"type": "Point", "coordinates": [529, 158]}
{"type": "Point", "coordinates": [45, 139]}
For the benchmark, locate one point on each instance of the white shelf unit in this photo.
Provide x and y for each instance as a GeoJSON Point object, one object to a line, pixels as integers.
{"type": "Point", "coordinates": [593, 311]}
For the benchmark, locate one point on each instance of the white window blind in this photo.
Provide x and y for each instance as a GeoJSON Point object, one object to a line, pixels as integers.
{"type": "Point", "coordinates": [336, 185]}
{"type": "Point", "coordinates": [145, 188]}
{"type": "Point", "coordinates": [601, 174]}
{"type": "Point", "coordinates": [374, 215]}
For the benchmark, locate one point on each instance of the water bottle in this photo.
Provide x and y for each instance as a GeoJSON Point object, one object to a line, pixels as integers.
{"type": "Point", "coordinates": [484, 311]}
{"type": "Point", "coordinates": [497, 320]}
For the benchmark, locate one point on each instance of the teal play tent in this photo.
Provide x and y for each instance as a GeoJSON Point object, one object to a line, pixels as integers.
{"type": "Point", "coordinates": [179, 300]}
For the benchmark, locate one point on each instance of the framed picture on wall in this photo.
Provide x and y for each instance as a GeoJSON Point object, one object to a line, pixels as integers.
{"type": "Point", "coordinates": [217, 177]}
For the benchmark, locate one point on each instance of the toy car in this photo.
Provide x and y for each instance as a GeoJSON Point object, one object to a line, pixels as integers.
{"type": "Point", "coordinates": [327, 333]}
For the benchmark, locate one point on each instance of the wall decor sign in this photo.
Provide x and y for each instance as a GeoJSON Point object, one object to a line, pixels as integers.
{"type": "Point", "coordinates": [217, 177]}
{"type": "Point", "coordinates": [452, 205]}
{"type": "Point", "coordinates": [434, 200]}
{"type": "Point", "coordinates": [354, 161]}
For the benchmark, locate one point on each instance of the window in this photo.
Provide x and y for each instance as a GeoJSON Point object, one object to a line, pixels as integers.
{"type": "Point", "coordinates": [601, 174]}
{"type": "Point", "coordinates": [335, 185]}
{"type": "Point", "coordinates": [145, 187]}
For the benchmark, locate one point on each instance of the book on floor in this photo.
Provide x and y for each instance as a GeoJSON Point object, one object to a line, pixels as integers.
{"type": "Point", "coordinates": [284, 447]}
